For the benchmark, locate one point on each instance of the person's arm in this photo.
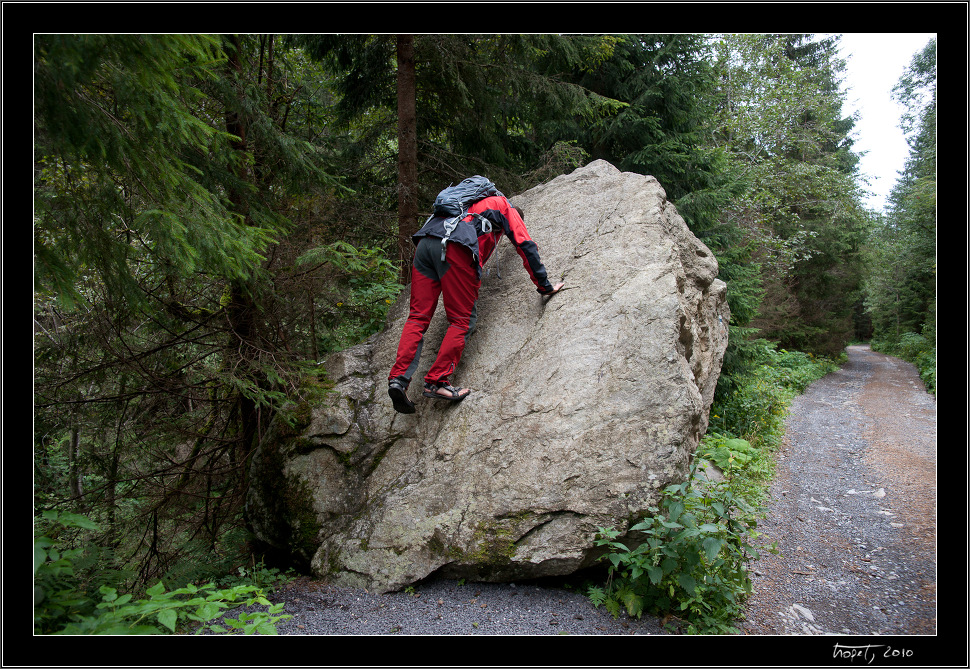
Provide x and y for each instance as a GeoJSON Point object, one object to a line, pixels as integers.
{"type": "Point", "coordinates": [516, 231]}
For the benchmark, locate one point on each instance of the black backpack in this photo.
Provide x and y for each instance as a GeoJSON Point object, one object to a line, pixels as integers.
{"type": "Point", "coordinates": [453, 203]}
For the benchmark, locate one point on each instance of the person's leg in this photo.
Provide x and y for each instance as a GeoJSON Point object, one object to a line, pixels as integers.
{"type": "Point", "coordinates": [425, 290]}
{"type": "Point", "coordinates": [459, 286]}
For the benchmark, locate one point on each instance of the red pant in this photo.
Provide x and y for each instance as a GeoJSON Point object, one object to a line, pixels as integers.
{"type": "Point", "coordinates": [456, 280]}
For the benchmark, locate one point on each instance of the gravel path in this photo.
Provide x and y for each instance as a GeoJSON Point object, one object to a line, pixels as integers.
{"type": "Point", "coordinates": [853, 508]}
{"type": "Point", "coordinates": [442, 607]}
{"type": "Point", "coordinates": [853, 512]}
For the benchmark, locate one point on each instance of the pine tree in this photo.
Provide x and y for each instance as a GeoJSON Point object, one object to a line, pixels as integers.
{"type": "Point", "coordinates": [901, 281]}
{"type": "Point", "coordinates": [780, 119]}
{"type": "Point", "coordinates": [480, 101]}
{"type": "Point", "coordinates": [165, 185]}
{"type": "Point", "coordinates": [117, 141]}
{"type": "Point", "coordinates": [661, 80]}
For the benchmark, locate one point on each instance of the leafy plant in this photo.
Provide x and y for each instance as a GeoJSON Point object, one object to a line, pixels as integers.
{"type": "Point", "coordinates": [366, 285]}
{"type": "Point", "coordinates": [259, 575]}
{"type": "Point", "coordinates": [60, 608]}
{"type": "Point", "coordinates": [756, 408]}
{"type": "Point", "coordinates": [58, 595]}
{"type": "Point", "coordinates": [192, 607]}
{"type": "Point", "coordinates": [727, 453]}
{"type": "Point", "coordinates": [686, 561]}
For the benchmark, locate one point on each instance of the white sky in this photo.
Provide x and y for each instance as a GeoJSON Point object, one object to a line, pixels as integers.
{"type": "Point", "coordinates": [874, 64]}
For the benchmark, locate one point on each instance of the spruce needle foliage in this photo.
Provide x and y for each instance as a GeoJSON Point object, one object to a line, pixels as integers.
{"type": "Point", "coordinates": [166, 188]}
{"type": "Point", "coordinates": [117, 186]}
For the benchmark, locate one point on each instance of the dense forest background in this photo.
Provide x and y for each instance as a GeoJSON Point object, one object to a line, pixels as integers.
{"type": "Point", "coordinates": [214, 214]}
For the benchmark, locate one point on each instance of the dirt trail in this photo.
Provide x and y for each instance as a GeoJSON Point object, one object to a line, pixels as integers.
{"type": "Point", "coordinates": [853, 508]}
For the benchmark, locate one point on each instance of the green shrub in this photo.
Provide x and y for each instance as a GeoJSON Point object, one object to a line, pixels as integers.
{"type": "Point", "coordinates": [62, 607]}
{"type": "Point", "coordinates": [59, 594]}
{"type": "Point", "coordinates": [689, 561]}
{"type": "Point", "coordinates": [756, 409]}
{"type": "Point", "coordinates": [729, 454]}
{"type": "Point", "coordinates": [690, 556]}
{"type": "Point", "coordinates": [192, 608]}
{"type": "Point", "coordinates": [925, 361]}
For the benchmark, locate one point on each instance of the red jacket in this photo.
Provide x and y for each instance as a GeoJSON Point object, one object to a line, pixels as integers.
{"type": "Point", "coordinates": [506, 221]}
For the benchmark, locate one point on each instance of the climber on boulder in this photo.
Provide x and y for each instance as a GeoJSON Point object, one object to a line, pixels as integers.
{"type": "Point", "coordinates": [454, 272]}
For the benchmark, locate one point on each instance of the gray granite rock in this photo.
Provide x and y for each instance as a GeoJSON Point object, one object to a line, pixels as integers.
{"type": "Point", "coordinates": [582, 408]}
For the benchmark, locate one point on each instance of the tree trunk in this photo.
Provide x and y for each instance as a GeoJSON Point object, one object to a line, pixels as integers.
{"type": "Point", "coordinates": [241, 310]}
{"type": "Point", "coordinates": [75, 476]}
{"type": "Point", "coordinates": [407, 161]}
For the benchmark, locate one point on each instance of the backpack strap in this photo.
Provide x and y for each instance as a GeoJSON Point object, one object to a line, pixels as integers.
{"type": "Point", "coordinates": [452, 223]}
{"type": "Point", "coordinates": [450, 226]}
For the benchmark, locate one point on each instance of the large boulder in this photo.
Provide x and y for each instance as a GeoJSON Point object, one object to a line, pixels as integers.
{"type": "Point", "coordinates": [583, 407]}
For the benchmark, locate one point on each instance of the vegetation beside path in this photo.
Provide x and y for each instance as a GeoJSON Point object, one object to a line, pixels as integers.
{"type": "Point", "coordinates": [689, 566]}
